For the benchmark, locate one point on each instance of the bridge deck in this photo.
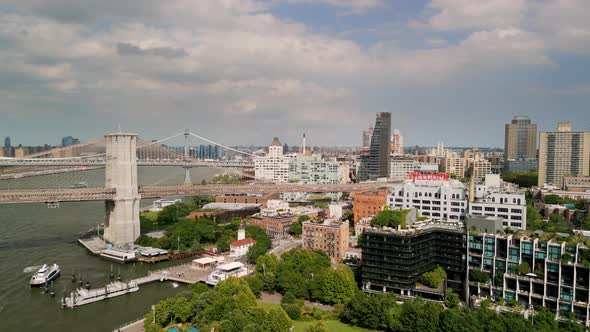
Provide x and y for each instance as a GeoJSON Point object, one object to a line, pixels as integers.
{"type": "Point", "coordinates": [101, 194]}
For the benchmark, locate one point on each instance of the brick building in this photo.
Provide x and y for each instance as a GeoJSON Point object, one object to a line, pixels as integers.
{"type": "Point", "coordinates": [368, 203]}
{"type": "Point", "coordinates": [275, 226]}
{"type": "Point", "coordinates": [329, 236]}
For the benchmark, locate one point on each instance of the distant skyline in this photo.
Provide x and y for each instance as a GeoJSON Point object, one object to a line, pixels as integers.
{"type": "Point", "coordinates": [245, 71]}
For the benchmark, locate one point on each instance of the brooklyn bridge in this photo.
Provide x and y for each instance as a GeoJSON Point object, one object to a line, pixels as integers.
{"type": "Point", "coordinates": [120, 154]}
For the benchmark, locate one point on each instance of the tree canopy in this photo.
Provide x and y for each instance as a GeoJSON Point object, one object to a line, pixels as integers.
{"type": "Point", "coordinates": [390, 218]}
{"type": "Point", "coordinates": [522, 179]}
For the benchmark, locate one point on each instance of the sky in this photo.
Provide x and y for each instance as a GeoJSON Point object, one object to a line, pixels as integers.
{"type": "Point", "coordinates": [245, 71]}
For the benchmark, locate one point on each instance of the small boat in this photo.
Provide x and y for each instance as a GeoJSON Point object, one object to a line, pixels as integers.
{"type": "Point", "coordinates": [45, 275]}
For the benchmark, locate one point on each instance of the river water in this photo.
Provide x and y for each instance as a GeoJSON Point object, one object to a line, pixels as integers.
{"type": "Point", "coordinates": [32, 234]}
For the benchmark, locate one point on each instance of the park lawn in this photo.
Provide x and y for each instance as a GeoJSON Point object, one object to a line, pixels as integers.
{"type": "Point", "coordinates": [150, 215]}
{"type": "Point", "coordinates": [331, 325]}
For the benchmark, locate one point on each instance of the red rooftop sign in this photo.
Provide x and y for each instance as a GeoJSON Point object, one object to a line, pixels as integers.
{"type": "Point", "coordinates": [428, 176]}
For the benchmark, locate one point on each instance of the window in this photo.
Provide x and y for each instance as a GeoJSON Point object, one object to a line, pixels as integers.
{"type": "Point", "coordinates": [554, 252]}
{"type": "Point", "coordinates": [476, 208]}
{"type": "Point", "coordinates": [516, 218]}
{"type": "Point", "coordinates": [490, 209]}
{"type": "Point", "coordinates": [502, 210]}
{"type": "Point", "coordinates": [516, 211]}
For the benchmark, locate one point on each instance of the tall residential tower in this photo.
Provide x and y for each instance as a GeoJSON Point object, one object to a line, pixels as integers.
{"type": "Point", "coordinates": [563, 153]}
{"type": "Point", "coordinates": [375, 164]}
{"type": "Point", "coordinates": [520, 145]}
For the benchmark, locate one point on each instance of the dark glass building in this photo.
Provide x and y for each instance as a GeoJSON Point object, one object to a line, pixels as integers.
{"type": "Point", "coordinates": [375, 163]}
{"type": "Point", "coordinates": [393, 261]}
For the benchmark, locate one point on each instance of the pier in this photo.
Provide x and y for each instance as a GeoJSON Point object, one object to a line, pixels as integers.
{"type": "Point", "coordinates": [186, 274]}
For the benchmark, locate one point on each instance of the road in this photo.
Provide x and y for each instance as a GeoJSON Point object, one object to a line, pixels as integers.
{"type": "Point", "coordinates": [285, 245]}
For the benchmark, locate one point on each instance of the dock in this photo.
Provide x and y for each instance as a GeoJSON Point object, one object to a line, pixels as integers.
{"type": "Point", "coordinates": [94, 244]}
{"type": "Point", "coordinates": [186, 274]}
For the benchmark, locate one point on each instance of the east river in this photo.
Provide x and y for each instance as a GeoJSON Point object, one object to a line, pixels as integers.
{"type": "Point", "coordinates": [33, 234]}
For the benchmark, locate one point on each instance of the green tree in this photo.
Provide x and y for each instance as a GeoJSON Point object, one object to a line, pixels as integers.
{"type": "Point", "coordinates": [524, 268]}
{"type": "Point", "coordinates": [434, 278]}
{"type": "Point", "coordinates": [522, 179]}
{"type": "Point", "coordinates": [452, 299]}
{"type": "Point", "coordinates": [371, 311]}
{"type": "Point", "coordinates": [202, 200]}
{"type": "Point", "coordinates": [478, 276]}
{"type": "Point", "coordinates": [391, 218]}
{"type": "Point", "coordinates": [556, 218]}
{"type": "Point", "coordinates": [276, 320]}
{"type": "Point", "coordinates": [303, 218]}
{"type": "Point", "coordinates": [292, 306]}
{"type": "Point", "coordinates": [553, 199]}
{"type": "Point", "coordinates": [455, 321]}
{"type": "Point", "coordinates": [318, 326]}
{"type": "Point", "coordinates": [256, 284]}
{"type": "Point", "coordinates": [262, 245]}
{"type": "Point", "coordinates": [296, 229]}
{"type": "Point", "coordinates": [333, 286]}
{"type": "Point", "coordinates": [419, 315]}
{"type": "Point", "coordinates": [544, 320]}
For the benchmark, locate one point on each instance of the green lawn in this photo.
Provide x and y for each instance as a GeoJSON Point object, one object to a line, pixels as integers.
{"type": "Point", "coordinates": [332, 325]}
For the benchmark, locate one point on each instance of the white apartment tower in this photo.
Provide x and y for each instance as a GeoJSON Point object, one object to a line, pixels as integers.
{"type": "Point", "coordinates": [273, 167]}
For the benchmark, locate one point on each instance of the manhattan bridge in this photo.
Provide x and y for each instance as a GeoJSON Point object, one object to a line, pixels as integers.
{"type": "Point", "coordinates": [120, 154]}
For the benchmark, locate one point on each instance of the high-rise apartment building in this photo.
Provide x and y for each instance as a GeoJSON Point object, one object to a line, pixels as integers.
{"type": "Point", "coordinates": [69, 140]}
{"type": "Point", "coordinates": [273, 167]}
{"type": "Point", "coordinates": [397, 142]}
{"type": "Point", "coordinates": [454, 165]}
{"type": "Point", "coordinates": [375, 164]}
{"type": "Point", "coordinates": [7, 142]}
{"type": "Point", "coordinates": [367, 137]}
{"type": "Point", "coordinates": [520, 139]}
{"type": "Point", "coordinates": [563, 153]}
{"type": "Point", "coordinates": [480, 167]}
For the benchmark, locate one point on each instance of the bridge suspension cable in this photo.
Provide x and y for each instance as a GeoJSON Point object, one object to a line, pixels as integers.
{"type": "Point", "coordinates": [221, 145]}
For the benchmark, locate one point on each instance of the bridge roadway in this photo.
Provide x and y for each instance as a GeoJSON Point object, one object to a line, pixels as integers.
{"type": "Point", "coordinates": [101, 194]}
{"type": "Point", "coordinates": [30, 162]}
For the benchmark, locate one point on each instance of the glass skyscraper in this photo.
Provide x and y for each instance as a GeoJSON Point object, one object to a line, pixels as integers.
{"type": "Point", "coordinates": [375, 163]}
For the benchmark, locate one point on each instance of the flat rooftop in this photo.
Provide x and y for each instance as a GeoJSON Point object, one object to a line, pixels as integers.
{"type": "Point", "coordinates": [420, 227]}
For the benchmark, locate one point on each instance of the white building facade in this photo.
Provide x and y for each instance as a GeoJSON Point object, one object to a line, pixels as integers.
{"type": "Point", "coordinates": [511, 207]}
{"type": "Point", "coordinates": [314, 170]}
{"type": "Point", "coordinates": [439, 199]}
{"type": "Point", "coordinates": [273, 167]}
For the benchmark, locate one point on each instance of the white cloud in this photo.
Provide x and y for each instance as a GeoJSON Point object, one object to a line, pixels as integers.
{"type": "Point", "coordinates": [468, 14]}
{"type": "Point", "coordinates": [350, 7]}
{"type": "Point", "coordinates": [234, 62]}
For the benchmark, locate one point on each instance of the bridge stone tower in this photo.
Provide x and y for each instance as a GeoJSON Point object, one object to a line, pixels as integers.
{"type": "Point", "coordinates": [122, 213]}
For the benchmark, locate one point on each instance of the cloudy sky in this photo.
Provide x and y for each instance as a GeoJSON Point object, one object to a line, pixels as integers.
{"type": "Point", "coordinates": [244, 71]}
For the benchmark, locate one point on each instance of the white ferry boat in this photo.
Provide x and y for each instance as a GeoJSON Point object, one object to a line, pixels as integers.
{"type": "Point", "coordinates": [82, 296]}
{"type": "Point", "coordinates": [224, 271]}
{"type": "Point", "coordinates": [45, 275]}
